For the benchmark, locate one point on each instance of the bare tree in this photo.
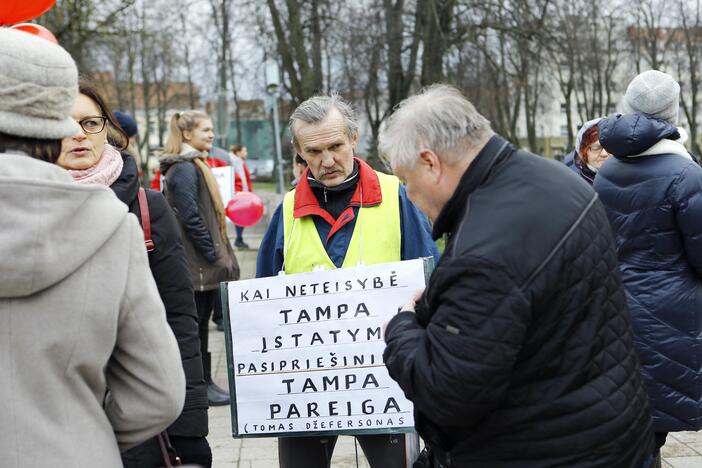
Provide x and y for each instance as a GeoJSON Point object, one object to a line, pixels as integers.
{"type": "Point", "coordinates": [597, 59]}
{"type": "Point", "coordinates": [298, 31]}
{"type": "Point", "coordinates": [401, 77]}
{"type": "Point", "coordinates": [438, 16]}
{"type": "Point", "coordinates": [187, 62]}
{"type": "Point", "coordinates": [510, 36]}
{"type": "Point", "coordinates": [562, 44]}
{"type": "Point", "coordinates": [81, 25]}
{"type": "Point", "coordinates": [649, 35]}
{"type": "Point", "coordinates": [688, 59]}
{"type": "Point", "coordinates": [221, 16]}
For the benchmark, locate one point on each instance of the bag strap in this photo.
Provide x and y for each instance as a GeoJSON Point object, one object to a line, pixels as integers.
{"type": "Point", "coordinates": [168, 452]}
{"type": "Point", "coordinates": [145, 220]}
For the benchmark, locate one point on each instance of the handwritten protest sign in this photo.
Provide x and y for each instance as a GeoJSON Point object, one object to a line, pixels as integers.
{"type": "Point", "coordinates": [305, 351]}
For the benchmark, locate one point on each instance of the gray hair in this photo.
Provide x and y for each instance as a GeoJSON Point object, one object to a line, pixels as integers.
{"type": "Point", "coordinates": [317, 108]}
{"type": "Point", "coordinates": [439, 118]}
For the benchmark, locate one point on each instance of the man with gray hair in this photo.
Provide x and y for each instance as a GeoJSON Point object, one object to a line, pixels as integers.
{"type": "Point", "coordinates": [341, 213]}
{"type": "Point", "coordinates": [519, 352]}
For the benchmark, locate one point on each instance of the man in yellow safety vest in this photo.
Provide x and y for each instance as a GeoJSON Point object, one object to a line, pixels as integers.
{"type": "Point", "coordinates": [341, 213]}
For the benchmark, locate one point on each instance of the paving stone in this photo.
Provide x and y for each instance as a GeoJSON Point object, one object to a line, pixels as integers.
{"type": "Point", "coordinates": [697, 446]}
{"type": "Point", "coordinates": [687, 436]}
{"type": "Point", "coordinates": [677, 449]}
{"type": "Point", "coordinates": [685, 462]}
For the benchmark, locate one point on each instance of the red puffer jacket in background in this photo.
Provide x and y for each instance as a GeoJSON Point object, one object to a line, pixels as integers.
{"type": "Point", "coordinates": [238, 184]}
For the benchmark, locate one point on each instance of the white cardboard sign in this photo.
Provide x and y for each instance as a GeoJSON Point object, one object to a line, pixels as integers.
{"type": "Point", "coordinates": [225, 180]}
{"type": "Point", "coordinates": [307, 351]}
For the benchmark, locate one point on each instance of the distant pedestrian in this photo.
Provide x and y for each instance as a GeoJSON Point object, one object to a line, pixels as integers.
{"type": "Point", "coordinates": [652, 190]}
{"type": "Point", "coordinates": [89, 365]}
{"type": "Point", "coordinates": [90, 161]}
{"type": "Point", "coordinates": [589, 153]}
{"type": "Point", "coordinates": [192, 191]}
{"type": "Point", "coordinates": [131, 129]}
{"type": "Point", "coordinates": [242, 183]}
{"type": "Point", "coordinates": [520, 352]}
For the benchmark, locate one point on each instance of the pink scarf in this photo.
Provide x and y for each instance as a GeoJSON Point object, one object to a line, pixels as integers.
{"type": "Point", "coordinates": [105, 172]}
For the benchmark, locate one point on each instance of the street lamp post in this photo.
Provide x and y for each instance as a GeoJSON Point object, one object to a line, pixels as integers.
{"type": "Point", "coordinates": [272, 85]}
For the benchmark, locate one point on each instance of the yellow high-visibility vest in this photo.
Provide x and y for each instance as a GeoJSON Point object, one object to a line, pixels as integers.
{"type": "Point", "coordinates": [376, 235]}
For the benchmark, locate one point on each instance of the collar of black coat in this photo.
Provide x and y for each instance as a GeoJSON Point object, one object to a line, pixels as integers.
{"type": "Point", "coordinates": [367, 184]}
{"type": "Point", "coordinates": [349, 182]}
{"type": "Point", "coordinates": [167, 160]}
{"type": "Point", "coordinates": [496, 150]}
{"type": "Point", "coordinates": [335, 200]}
{"type": "Point", "coordinates": [584, 170]}
{"type": "Point", "coordinates": [127, 184]}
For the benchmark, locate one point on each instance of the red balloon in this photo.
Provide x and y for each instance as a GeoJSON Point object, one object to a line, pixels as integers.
{"type": "Point", "coordinates": [37, 30]}
{"type": "Point", "coordinates": [245, 209]}
{"type": "Point", "coordinates": [16, 11]}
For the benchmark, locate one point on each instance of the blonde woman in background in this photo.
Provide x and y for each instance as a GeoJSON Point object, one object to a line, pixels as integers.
{"type": "Point", "coordinates": [192, 192]}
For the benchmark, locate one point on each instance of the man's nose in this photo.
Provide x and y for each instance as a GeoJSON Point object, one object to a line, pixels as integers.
{"type": "Point", "coordinates": [327, 159]}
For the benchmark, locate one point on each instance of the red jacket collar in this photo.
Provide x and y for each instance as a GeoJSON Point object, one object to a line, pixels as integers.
{"type": "Point", "coordinates": [306, 203]}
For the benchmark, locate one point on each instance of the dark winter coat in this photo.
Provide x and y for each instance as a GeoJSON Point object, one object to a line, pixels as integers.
{"type": "Point", "coordinates": [654, 202]}
{"type": "Point", "coordinates": [210, 257]}
{"type": "Point", "coordinates": [520, 353]}
{"type": "Point", "coordinates": [170, 270]}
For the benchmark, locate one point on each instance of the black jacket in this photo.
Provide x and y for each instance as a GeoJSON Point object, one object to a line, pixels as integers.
{"type": "Point", "coordinates": [170, 270]}
{"type": "Point", "coordinates": [520, 353]}
{"type": "Point", "coordinates": [210, 256]}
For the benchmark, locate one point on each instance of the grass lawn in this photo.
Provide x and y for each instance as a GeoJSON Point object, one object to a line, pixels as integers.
{"type": "Point", "coordinates": [264, 186]}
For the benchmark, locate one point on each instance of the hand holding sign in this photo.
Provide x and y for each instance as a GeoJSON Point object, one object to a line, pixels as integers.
{"type": "Point", "coordinates": [412, 303]}
{"type": "Point", "coordinates": [408, 307]}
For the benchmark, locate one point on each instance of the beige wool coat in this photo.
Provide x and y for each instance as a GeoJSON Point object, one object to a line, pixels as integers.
{"type": "Point", "coordinates": [88, 363]}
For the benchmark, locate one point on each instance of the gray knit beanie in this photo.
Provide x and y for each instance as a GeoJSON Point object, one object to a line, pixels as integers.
{"type": "Point", "coordinates": [38, 86]}
{"type": "Point", "coordinates": [655, 94]}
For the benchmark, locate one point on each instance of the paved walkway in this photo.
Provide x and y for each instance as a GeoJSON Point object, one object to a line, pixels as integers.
{"type": "Point", "coordinates": [682, 450]}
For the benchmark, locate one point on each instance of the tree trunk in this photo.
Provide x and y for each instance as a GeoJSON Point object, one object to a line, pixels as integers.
{"type": "Point", "coordinates": [237, 111]}
{"type": "Point", "coordinates": [438, 15]}
{"type": "Point", "coordinates": [192, 101]}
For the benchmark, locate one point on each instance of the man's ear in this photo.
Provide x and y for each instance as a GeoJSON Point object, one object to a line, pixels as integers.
{"type": "Point", "coordinates": [429, 161]}
{"type": "Point", "coordinates": [354, 140]}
